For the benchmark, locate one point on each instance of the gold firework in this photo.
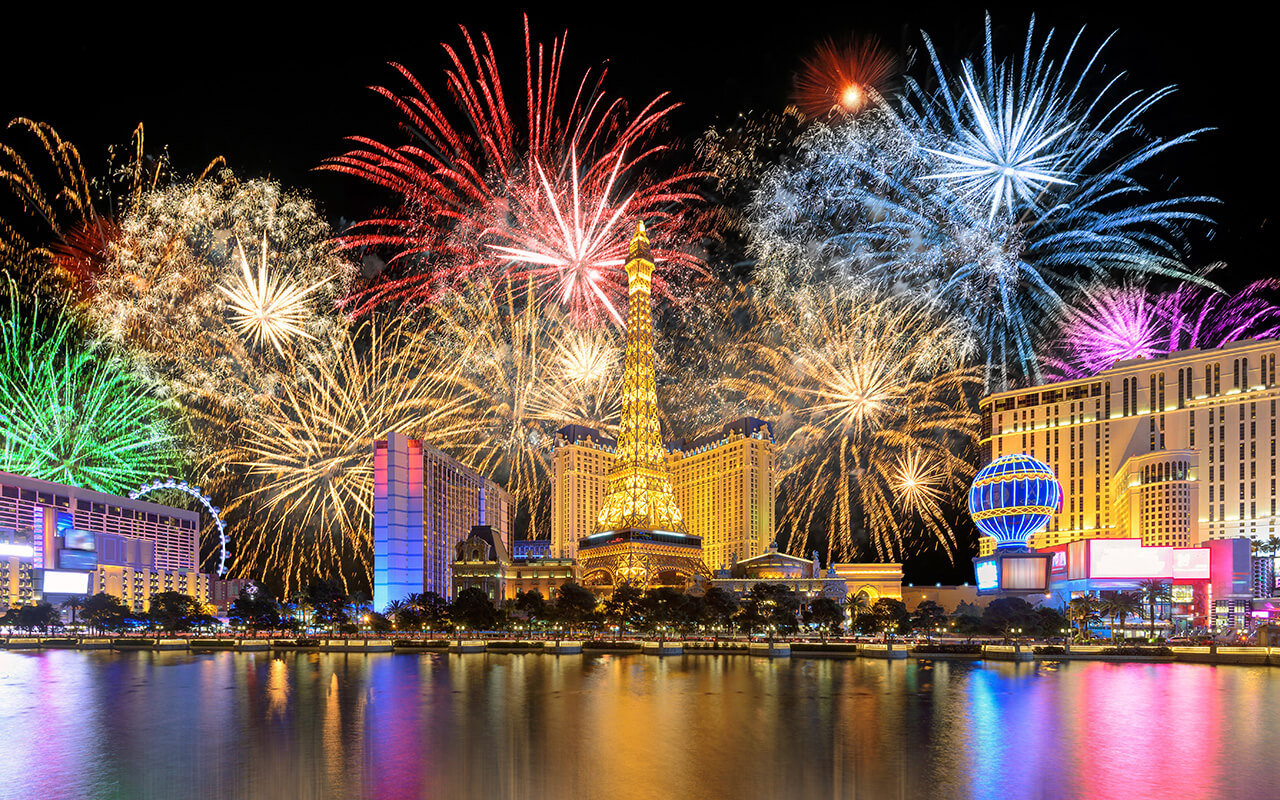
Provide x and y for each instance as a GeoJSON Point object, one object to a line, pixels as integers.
{"type": "Point", "coordinates": [918, 483]}
{"type": "Point", "coordinates": [871, 398]}
{"type": "Point", "coordinates": [268, 307]}
{"type": "Point", "coordinates": [309, 453]}
{"type": "Point", "coordinates": [528, 371]}
{"type": "Point", "coordinates": [68, 220]}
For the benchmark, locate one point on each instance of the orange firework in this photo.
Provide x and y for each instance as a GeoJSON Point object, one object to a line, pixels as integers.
{"type": "Point", "coordinates": [844, 77]}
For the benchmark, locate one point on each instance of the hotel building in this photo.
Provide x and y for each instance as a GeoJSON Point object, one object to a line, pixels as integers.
{"type": "Point", "coordinates": [58, 540]}
{"type": "Point", "coordinates": [723, 483]}
{"type": "Point", "coordinates": [425, 503]}
{"type": "Point", "coordinates": [1175, 450]}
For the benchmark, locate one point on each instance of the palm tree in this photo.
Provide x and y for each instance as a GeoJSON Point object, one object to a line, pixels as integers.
{"type": "Point", "coordinates": [1153, 593]}
{"type": "Point", "coordinates": [73, 604]}
{"type": "Point", "coordinates": [858, 604]}
{"type": "Point", "coordinates": [1119, 605]}
{"type": "Point", "coordinates": [1082, 611]}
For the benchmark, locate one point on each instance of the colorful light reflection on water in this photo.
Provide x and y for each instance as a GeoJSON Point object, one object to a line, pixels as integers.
{"type": "Point", "coordinates": [144, 725]}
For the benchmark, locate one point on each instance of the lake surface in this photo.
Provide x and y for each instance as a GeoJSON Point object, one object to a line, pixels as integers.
{"type": "Point", "coordinates": [229, 725]}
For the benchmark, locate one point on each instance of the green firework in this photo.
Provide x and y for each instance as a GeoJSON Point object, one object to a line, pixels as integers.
{"type": "Point", "coordinates": [73, 413]}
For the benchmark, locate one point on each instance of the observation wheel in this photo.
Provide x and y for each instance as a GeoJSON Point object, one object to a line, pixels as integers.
{"type": "Point", "coordinates": [204, 499]}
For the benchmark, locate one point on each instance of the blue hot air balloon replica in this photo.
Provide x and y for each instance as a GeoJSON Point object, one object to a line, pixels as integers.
{"type": "Point", "coordinates": [1013, 497]}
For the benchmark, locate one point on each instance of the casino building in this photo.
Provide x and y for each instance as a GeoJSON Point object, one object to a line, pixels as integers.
{"type": "Point", "coordinates": [424, 503]}
{"type": "Point", "coordinates": [58, 541]}
{"type": "Point", "coordinates": [724, 484]}
{"type": "Point", "coordinates": [1175, 451]}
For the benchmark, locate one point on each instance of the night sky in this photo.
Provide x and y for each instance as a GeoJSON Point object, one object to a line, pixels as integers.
{"type": "Point", "coordinates": [275, 94]}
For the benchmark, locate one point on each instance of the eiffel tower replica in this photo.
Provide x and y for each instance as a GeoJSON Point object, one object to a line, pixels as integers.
{"type": "Point", "coordinates": [640, 536]}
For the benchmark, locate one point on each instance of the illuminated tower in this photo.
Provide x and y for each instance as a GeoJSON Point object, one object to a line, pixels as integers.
{"type": "Point", "coordinates": [640, 536]}
{"type": "Point", "coordinates": [639, 493]}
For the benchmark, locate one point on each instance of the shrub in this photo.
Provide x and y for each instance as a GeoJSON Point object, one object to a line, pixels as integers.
{"type": "Point", "coordinates": [947, 649]}
{"type": "Point", "coordinates": [1050, 650]}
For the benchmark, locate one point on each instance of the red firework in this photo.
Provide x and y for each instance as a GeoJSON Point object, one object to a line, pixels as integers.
{"type": "Point", "coordinates": [844, 77]}
{"type": "Point", "coordinates": [552, 200]}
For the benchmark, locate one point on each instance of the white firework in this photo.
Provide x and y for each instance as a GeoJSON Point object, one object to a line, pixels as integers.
{"type": "Point", "coordinates": [268, 306]}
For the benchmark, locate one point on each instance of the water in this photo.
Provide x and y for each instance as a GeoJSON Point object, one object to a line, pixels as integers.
{"type": "Point", "coordinates": [144, 725]}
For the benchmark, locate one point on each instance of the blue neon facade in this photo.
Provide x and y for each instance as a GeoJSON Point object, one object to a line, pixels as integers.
{"type": "Point", "coordinates": [1013, 497]}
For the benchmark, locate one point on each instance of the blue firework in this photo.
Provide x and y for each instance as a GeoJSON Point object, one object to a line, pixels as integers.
{"type": "Point", "coordinates": [999, 194]}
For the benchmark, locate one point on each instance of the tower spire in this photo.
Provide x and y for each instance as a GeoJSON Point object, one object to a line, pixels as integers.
{"type": "Point", "coordinates": [639, 493]}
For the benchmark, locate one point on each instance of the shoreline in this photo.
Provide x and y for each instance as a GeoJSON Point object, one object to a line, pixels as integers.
{"type": "Point", "coordinates": [1249, 656]}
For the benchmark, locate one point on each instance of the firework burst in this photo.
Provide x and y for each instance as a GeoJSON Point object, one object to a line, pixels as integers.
{"type": "Point", "coordinates": [485, 197]}
{"type": "Point", "coordinates": [996, 197]}
{"type": "Point", "coordinates": [526, 373]}
{"type": "Point", "coordinates": [72, 413]}
{"type": "Point", "coordinates": [161, 297]}
{"type": "Point", "coordinates": [1112, 324]}
{"type": "Point", "coordinates": [843, 78]}
{"type": "Point", "coordinates": [268, 307]}
{"type": "Point", "coordinates": [874, 422]}
{"type": "Point", "coordinates": [309, 453]}
{"type": "Point", "coordinates": [60, 240]}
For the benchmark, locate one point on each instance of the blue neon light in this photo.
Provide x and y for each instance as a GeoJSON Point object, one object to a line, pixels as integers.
{"type": "Point", "coordinates": [1013, 497]}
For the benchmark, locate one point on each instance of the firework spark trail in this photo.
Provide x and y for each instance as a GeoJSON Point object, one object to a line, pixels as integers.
{"type": "Point", "coordinates": [1111, 324]}
{"type": "Point", "coordinates": [870, 394]}
{"type": "Point", "coordinates": [842, 78]}
{"type": "Point", "coordinates": [1046, 200]}
{"type": "Point", "coordinates": [482, 197]}
{"type": "Point", "coordinates": [527, 373]}
{"type": "Point", "coordinates": [309, 453]}
{"type": "Point", "coordinates": [68, 219]}
{"type": "Point", "coordinates": [73, 414]}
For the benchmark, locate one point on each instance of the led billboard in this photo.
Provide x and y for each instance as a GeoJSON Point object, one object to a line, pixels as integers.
{"type": "Point", "coordinates": [988, 575]}
{"type": "Point", "coordinates": [1128, 559]}
{"type": "Point", "coordinates": [1191, 564]}
{"type": "Point", "coordinates": [58, 582]}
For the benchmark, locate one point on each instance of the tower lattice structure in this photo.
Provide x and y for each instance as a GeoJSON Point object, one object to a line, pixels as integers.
{"type": "Point", "coordinates": [638, 495]}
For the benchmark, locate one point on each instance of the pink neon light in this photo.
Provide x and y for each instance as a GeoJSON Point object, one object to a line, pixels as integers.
{"type": "Point", "coordinates": [1127, 559]}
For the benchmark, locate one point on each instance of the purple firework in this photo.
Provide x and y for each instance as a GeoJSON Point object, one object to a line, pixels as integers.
{"type": "Point", "coordinates": [1120, 323]}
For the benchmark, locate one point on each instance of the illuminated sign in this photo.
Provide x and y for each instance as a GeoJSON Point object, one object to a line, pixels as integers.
{"type": "Point", "coordinates": [56, 582]}
{"type": "Point", "coordinates": [1021, 573]}
{"type": "Point", "coordinates": [1191, 564]}
{"type": "Point", "coordinates": [76, 539]}
{"type": "Point", "coordinates": [17, 550]}
{"type": "Point", "coordinates": [77, 559]}
{"type": "Point", "coordinates": [1183, 593]}
{"type": "Point", "coordinates": [1059, 561]}
{"type": "Point", "coordinates": [1127, 558]}
{"type": "Point", "coordinates": [988, 575]}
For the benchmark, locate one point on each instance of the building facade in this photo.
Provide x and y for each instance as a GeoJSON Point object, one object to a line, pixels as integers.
{"type": "Point", "coordinates": [57, 541]}
{"type": "Point", "coordinates": [1175, 450]}
{"type": "Point", "coordinates": [808, 579]}
{"type": "Point", "coordinates": [725, 485]}
{"type": "Point", "coordinates": [482, 561]}
{"type": "Point", "coordinates": [425, 503]}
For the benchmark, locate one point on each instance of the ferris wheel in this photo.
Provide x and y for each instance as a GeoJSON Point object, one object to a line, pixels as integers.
{"type": "Point", "coordinates": [204, 499]}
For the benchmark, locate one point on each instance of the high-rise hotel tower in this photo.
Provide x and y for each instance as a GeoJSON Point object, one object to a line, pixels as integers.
{"type": "Point", "coordinates": [724, 484]}
{"type": "Point", "coordinates": [1176, 450]}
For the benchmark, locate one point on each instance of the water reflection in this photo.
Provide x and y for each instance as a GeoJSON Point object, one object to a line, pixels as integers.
{"type": "Point", "coordinates": [140, 725]}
